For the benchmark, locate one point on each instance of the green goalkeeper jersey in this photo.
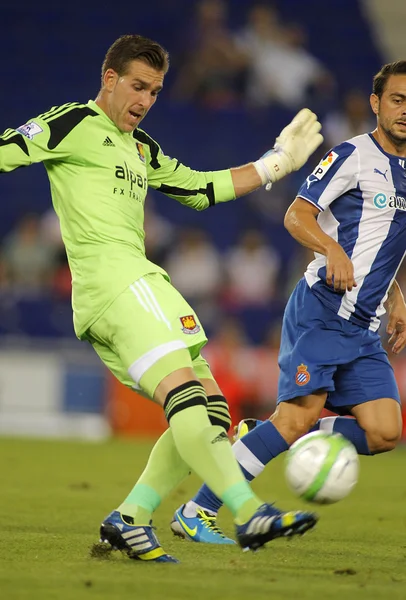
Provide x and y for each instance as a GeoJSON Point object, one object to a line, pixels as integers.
{"type": "Point", "coordinates": [99, 178]}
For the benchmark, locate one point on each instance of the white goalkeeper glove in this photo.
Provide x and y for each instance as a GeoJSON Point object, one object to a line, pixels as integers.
{"type": "Point", "coordinates": [296, 142]}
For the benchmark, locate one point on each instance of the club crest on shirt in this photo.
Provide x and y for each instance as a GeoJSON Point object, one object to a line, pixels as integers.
{"type": "Point", "coordinates": [29, 129]}
{"type": "Point", "coordinates": [302, 375]}
{"type": "Point", "coordinates": [322, 168]}
{"type": "Point", "coordinates": [141, 152]}
{"type": "Point", "coordinates": [189, 324]}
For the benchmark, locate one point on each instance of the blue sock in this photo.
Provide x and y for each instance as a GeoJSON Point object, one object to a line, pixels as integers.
{"type": "Point", "coordinates": [256, 449]}
{"type": "Point", "coordinates": [348, 427]}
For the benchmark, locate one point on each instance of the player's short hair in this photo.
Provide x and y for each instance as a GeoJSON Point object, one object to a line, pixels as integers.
{"type": "Point", "coordinates": [135, 47]}
{"type": "Point", "coordinates": [395, 68]}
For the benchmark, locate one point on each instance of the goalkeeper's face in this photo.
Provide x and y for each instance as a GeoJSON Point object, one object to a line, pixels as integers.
{"type": "Point", "coordinates": [127, 98]}
{"type": "Point", "coordinates": [391, 109]}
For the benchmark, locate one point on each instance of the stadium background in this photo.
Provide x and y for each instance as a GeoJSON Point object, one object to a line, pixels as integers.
{"type": "Point", "coordinates": [50, 383]}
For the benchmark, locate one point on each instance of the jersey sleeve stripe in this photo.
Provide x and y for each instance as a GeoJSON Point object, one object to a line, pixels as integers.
{"type": "Point", "coordinates": [8, 133]}
{"type": "Point", "coordinates": [57, 109]}
{"type": "Point", "coordinates": [16, 139]}
{"type": "Point", "coordinates": [64, 110]}
{"type": "Point", "coordinates": [61, 125]}
{"type": "Point", "coordinates": [177, 191]}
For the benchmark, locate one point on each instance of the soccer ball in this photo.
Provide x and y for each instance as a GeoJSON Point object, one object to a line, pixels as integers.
{"type": "Point", "coordinates": [322, 467]}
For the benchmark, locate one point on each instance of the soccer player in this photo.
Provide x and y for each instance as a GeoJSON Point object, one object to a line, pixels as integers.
{"type": "Point", "coordinates": [100, 164]}
{"type": "Point", "coordinates": [351, 211]}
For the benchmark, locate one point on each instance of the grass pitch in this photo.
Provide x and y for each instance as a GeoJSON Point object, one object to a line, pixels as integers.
{"type": "Point", "coordinates": [54, 494]}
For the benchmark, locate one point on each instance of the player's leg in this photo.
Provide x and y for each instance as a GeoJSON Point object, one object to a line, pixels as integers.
{"type": "Point", "coordinates": [357, 384]}
{"type": "Point", "coordinates": [366, 388]}
{"type": "Point", "coordinates": [196, 520]}
{"type": "Point", "coordinates": [294, 417]}
{"type": "Point", "coordinates": [349, 428]}
{"type": "Point", "coordinates": [192, 521]}
{"type": "Point", "coordinates": [376, 425]}
{"type": "Point", "coordinates": [165, 468]}
{"type": "Point", "coordinates": [362, 373]}
{"type": "Point", "coordinates": [252, 453]}
{"type": "Point", "coordinates": [307, 362]}
{"type": "Point", "coordinates": [121, 334]}
{"type": "Point", "coordinates": [164, 471]}
{"type": "Point", "coordinates": [206, 449]}
{"type": "Point", "coordinates": [382, 422]}
{"type": "Point", "coordinates": [164, 372]}
{"type": "Point", "coordinates": [217, 410]}
{"type": "Point", "coordinates": [171, 382]}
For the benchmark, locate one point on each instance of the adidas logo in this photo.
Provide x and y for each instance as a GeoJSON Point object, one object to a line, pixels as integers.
{"type": "Point", "coordinates": [108, 142]}
{"type": "Point", "coordinates": [221, 437]}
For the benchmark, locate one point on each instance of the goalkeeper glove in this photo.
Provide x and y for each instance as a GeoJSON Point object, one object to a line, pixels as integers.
{"type": "Point", "coordinates": [296, 142]}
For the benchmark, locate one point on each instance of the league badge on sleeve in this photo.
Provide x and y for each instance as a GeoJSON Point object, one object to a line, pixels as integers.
{"type": "Point", "coordinates": [29, 130]}
{"type": "Point", "coordinates": [302, 375]}
{"type": "Point", "coordinates": [189, 324]}
{"type": "Point", "coordinates": [322, 168]}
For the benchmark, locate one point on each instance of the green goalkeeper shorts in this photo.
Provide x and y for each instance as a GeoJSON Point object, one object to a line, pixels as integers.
{"type": "Point", "coordinates": [148, 332]}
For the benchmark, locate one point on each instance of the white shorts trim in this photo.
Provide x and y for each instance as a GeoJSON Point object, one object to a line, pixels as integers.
{"type": "Point", "coordinates": [141, 365]}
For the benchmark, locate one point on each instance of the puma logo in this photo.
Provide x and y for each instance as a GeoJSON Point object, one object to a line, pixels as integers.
{"type": "Point", "coordinates": [380, 173]}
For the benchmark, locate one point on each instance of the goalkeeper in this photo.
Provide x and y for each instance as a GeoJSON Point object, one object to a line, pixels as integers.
{"type": "Point", "coordinates": [100, 165]}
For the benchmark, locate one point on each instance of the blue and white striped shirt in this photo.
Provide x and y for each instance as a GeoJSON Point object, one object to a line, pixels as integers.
{"type": "Point", "coordinates": [360, 191]}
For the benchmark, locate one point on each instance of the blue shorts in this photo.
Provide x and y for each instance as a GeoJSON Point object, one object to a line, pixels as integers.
{"type": "Point", "coordinates": [322, 351]}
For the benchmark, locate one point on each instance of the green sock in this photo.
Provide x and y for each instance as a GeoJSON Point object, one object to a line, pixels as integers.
{"type": "Point", "coordinates": [164, 471]}
{"type": "Point", "coordinates": [207, 450]}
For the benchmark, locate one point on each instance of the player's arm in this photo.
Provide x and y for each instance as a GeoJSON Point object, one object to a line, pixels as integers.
{"type": "Point", "coordinates": [301, 222]}
{"type": "Point", "coordinates": [336, 174]}
{"type": "Point", "coordinates": [202, 189]}
{"type": "Point", "coordinates": [42, 138]}
{"type": "Point", "coordinates": [396, 326]}
{"type": "Point", "coordinates": [196, 189]}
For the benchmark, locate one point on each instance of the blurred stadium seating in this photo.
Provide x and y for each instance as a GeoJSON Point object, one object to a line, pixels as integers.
{"type": "Point", "coordinates": [50, 54]}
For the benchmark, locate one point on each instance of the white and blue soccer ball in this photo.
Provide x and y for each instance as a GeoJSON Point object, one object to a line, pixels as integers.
{"type": "Point", "coordinates": [322, 467]}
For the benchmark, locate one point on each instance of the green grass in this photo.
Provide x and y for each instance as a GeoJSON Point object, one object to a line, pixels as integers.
{"type": "Point", "coordinates": [53, 496]}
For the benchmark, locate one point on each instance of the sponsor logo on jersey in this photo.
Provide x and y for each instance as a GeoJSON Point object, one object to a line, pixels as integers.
{"type": "Point", "coordinates": [141, 152]}
{"type": "Point", "coordinates": [381, 200]}
{"type": "Point", "coordinates": [135, 179]}
{"type": "Point", "coordinates": [322, 168]}
{"type": "Point", "coordinates": [29, 130]}
{"type": "Point", "coordinates": [189, 324]}
{"type": "Point", "coordinates": [302, 375]}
